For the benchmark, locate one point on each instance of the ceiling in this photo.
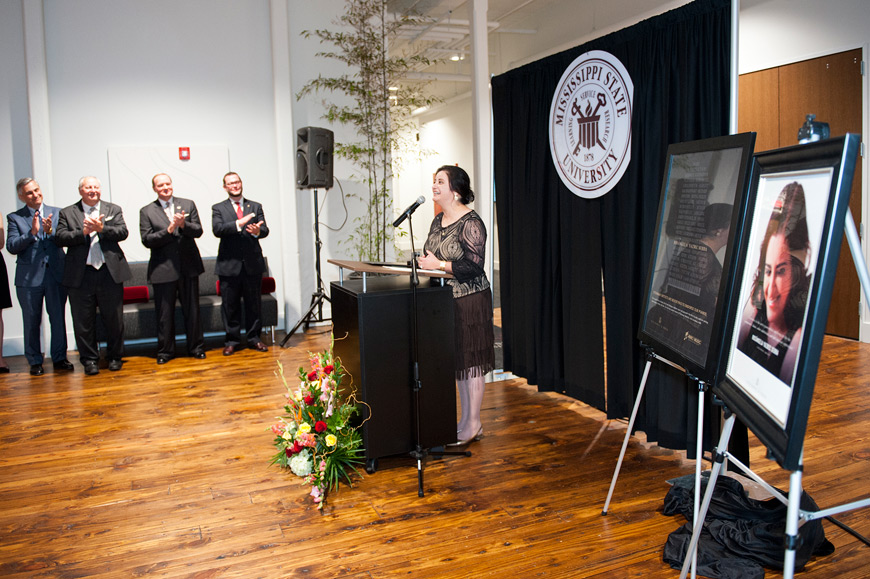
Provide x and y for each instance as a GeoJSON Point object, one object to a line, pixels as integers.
{"type": "Point", "coordinates": [518, 30]}
{"type": "Point", "coordinates": [443, 33]}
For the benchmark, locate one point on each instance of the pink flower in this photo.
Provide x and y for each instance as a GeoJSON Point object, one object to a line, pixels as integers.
{"type": "Point", "coordinates": [317, 494]}
{"type": "Point", "coordinates": [277, 428]}
{"type": "Point", "coordinates": [304, 439]}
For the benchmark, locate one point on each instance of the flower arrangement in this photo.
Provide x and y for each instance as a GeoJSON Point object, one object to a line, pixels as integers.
{"type": "Point", "coordinates": [315, 439]}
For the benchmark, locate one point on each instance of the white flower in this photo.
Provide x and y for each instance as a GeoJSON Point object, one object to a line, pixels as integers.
{"type": "Point", "coordinates": [301, 463]}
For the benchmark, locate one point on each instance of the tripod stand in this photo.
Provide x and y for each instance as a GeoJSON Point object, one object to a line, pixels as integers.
{"type": "Point", "coordinates": [319, 295]}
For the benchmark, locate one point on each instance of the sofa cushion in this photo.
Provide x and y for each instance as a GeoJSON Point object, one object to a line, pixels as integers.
{"type": "Point", "coordinates": [136, 294]}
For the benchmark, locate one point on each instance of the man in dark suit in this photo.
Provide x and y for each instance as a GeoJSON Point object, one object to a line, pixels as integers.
{"type": "Point", "coordinates": [94, 273]}
{"type": "Point", "coordinates": [239, 223]}
{"type": "Point", "coordinates": [38, 275]}
{"type": "Point", "coordinates": [169, 227]}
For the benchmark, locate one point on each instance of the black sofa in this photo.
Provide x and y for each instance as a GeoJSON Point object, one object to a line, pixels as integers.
{"type": "Point", "coordinates": [140, 321]}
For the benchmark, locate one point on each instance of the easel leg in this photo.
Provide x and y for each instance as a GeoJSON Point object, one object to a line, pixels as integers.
{"type": "Point", "coordinates": [708, 495]}
{"type": "Point", "coordinates": [627, 435]}
{"type": "Point", "coordinates": [792, 517]}
{"type": "Point", "coordinates": [699, 453]}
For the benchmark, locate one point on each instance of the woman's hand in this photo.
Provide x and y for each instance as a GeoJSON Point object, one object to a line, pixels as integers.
{"type": "Point", "coordinates": [429, 261]}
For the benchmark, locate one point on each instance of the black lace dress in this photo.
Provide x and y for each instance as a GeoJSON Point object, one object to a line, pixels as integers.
{"type": "Point", "coordinates": [463, 243]}
{"type": "Point", "coordinates": [5, 294]}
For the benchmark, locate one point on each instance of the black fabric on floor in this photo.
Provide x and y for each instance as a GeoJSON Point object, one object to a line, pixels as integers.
{"type": "Point", "coordinates": [741, 535]}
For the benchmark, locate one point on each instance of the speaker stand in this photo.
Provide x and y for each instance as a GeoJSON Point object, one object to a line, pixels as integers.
{"type": "Point", "coordinates": [318, 296]}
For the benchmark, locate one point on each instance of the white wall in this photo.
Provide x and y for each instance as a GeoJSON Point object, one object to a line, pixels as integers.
{"type": "Point", "coordinates": [777, 32]}
{"type": "Point", "coordinates": [341, 205]}
{"type": "Point", "coordinates": [14, 146]}
{"type": "Point", "coordinates": [123, 72]}
{"type": "Point", "coordinates": [445, 132]}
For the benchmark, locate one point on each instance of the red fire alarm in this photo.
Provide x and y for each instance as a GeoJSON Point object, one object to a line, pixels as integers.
{"type": "Point", "coordinates": [184, 153]}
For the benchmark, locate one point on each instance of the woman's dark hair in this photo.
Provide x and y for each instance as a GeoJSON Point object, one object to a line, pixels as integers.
{"type": "Point", "coordinates": [788, 218]}
{"type": "Point", "coordinates": [459, 182]}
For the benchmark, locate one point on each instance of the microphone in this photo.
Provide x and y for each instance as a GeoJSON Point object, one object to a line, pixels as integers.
{"type": "Point", "coordinates": [407, 213]}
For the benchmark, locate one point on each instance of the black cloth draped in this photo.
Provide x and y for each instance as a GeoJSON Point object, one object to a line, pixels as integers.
{"type": "Point", "coordinates": [555, 247]}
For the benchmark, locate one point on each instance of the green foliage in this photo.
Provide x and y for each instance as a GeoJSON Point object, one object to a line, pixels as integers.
{"type": "Point", "coordinates": [315, 438]}
{"type": "Point", "coordinates": [378, 114]}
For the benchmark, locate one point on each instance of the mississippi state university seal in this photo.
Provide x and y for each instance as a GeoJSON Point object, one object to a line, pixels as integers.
{"type": "Point", "coordinates": [590, 124]}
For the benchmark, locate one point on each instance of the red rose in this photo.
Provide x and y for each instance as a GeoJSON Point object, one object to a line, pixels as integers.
{"type": "Point", "coordinates": [319, 426]}
{"type": "Point", "coordinates": [291, 450]}
{"type": "Point", "coordinates": [328, 369]}
{"type": "Point", "coordinates": [309, 400]}
{"type": "Point", "coordinates": [312, 376]}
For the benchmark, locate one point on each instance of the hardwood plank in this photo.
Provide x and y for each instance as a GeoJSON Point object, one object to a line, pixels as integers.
{"type": "Point", "coordinates": [164, 471]}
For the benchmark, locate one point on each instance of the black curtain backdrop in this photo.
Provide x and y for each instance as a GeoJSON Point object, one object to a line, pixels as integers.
{"type": "Point", "coordinates": [555, 247]}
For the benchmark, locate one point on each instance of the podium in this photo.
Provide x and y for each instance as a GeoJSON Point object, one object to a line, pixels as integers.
{"type": "Point", "coordinates": [372, 328]}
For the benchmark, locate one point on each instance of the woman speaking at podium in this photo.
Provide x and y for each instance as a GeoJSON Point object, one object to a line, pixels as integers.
{"type": "Point", "coordinates": [457, 244]}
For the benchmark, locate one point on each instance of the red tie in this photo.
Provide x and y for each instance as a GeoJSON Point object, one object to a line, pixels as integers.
{"type": "Point", "coordinates": [239, 210]}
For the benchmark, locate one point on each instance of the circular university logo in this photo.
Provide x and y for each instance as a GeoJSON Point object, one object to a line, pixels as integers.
{"type": "Point", "coordinates": [590, 124]}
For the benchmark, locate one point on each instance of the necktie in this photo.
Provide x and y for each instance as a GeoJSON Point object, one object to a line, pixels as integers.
{"type": "Point", "coordinates": [95, 254]}
{"type": "Point", "coordinates": [168, 210]}
{"type": "Point", "coordinates": [239, 210]}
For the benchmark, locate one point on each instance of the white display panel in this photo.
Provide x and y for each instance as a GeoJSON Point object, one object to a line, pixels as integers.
{"type": "Point", "coordinates": [199, 178]}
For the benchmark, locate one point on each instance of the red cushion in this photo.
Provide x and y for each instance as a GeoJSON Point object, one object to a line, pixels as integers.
{"type": "Point", "coordinates": [267, 286]}
{"type": "Point", "coordinates": [136, 294]}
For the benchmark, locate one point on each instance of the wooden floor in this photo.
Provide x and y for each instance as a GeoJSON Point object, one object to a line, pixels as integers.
{"type": "Point", "coordinates": [164, 471]}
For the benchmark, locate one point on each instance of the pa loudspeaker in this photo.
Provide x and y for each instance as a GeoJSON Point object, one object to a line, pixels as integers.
{"type": "Point", "coordinates": [314, 148]}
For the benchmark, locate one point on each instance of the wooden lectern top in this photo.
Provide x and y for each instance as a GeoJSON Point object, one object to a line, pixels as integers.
{"type": "Point", "coordinates": [385, 268]}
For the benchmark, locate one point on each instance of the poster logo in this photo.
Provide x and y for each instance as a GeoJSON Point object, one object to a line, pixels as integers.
{"type": "Point", "coordinates": [590, 124]}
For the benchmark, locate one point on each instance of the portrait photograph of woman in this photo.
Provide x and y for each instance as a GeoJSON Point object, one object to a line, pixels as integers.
{"type": "Point", "coordinates": [770, 328]}
{"type": "Point", "coordinates": [786, 229]}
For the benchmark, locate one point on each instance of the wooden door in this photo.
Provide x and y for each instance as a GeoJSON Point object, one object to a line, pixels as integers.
{"type": "Point", "coordinates": [774, 103]}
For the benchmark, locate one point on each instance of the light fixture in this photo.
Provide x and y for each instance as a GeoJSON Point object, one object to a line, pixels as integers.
{"type": "Point", "coordinates": [813, 130]}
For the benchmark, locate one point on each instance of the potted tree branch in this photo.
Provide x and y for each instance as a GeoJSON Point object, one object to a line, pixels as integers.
{"type": "Point", "coordinates": [378, 105]}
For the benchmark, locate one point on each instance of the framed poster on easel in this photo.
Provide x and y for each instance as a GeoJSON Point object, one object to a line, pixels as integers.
{"type": "Point", "coordinates": [797, 212]}
{"type": "Point", "coordinates": [799, 203]}
{"type": "Point", "coordinates": [699, 224]}
{"type": "Point", "coordinates": [700, 217]}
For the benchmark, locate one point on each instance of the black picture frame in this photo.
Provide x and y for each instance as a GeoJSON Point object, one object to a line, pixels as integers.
{"type": "Point", "coordinates": [703, 200]}
{"type": "Point", "coordinates": [774, 348]}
